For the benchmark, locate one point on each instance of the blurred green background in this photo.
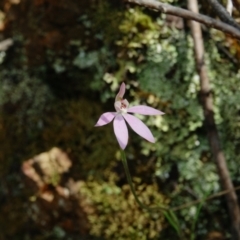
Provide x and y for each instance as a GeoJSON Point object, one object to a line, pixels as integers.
{"type": "Point", "coordinates": [61, 64]}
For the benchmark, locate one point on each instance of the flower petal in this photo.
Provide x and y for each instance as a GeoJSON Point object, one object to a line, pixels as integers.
{"type": "Point", "coordinates": [139, 127]}
{"type": "Point", "coordinates": [145, 110]}
{"type": "Point", "coordinates": [121, 92]}
{"type": "Point", "coordinates": [120, 130]}
{"type": "Point", "coordinates": [105, 118]}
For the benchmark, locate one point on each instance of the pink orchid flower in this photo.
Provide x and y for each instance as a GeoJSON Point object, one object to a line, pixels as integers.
{"type": "Point", "coordinates": [121, 115]}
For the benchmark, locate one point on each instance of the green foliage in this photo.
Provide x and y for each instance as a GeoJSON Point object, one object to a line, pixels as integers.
{"type": "Point", "coordinates": [226, 85]}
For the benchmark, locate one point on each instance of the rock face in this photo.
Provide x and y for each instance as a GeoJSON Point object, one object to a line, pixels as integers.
{"type": "Point", "coordinates": [55, 200]}
{"type": "Point", "coordinates": [47, 167]}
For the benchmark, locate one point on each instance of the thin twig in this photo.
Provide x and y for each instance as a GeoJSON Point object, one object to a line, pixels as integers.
{"type": "Point", "coordinates": [216, 195]}
{"type": "Point", "coordinates": [6, 44]}
{"type": "Point", "coordinates": [166, 208]}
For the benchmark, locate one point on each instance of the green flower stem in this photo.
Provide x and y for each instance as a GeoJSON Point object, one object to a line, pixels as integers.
{"type": "Point", "coordinates": [167, 212]}
{"type": "Point", "coordinates": [129, 179]}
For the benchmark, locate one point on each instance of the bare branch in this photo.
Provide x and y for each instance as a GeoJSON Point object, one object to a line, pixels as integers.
{"type": "Point", "coordinates": [180, 12]}
{"type": "Point", "coordinates": [223, 13]}
{"type": "Point", "coordinates": [229, 7]}
{"type": "Point", "coordinates": [211, 128]}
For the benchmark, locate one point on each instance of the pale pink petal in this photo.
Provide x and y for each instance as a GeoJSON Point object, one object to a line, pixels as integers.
{"type": "Point", "coordinates": [105, 118]}
{"type": "Point", "coordinates": [120, 130]}
{"type": "Point", "coordinates": [145, 110]}
{"type": "Point", "coordinates": [139, 127]}
{"type": "Point", "coordinates": [121, 92]}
